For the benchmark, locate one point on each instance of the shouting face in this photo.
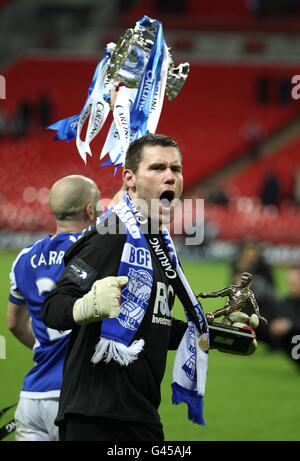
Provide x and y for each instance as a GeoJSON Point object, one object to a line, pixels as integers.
{"type": "Point", "coordinates": [157, 184]}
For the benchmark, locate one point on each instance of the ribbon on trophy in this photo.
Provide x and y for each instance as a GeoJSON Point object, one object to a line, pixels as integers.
{"type": "Point", "coordinates": [131, 80]}
{"type": "Point", "coordinates": [95, 107]}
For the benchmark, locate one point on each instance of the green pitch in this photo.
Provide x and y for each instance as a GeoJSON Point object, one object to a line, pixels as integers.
{"type": "Point", "coordinates": [247, 398]}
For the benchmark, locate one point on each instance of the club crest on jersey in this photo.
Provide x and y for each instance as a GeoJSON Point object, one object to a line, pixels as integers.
{"type": "Point", "coordinates": [137, 294]}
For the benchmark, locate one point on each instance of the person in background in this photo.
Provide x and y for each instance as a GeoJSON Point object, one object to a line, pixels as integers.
{"type": "Point", "coordinates": [286, 326]}
{"type": "Point", "coordinates": [44, 110]}
{"type": "Point", "coordinates": [250, 259]}
{"type": "Point", "coordinates": [74, 202]}
{"type": "Point", "coordinates": [270, 193]}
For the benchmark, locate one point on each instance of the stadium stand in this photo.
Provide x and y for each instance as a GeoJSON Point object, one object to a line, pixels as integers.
{"type": "Point", "coordinates": [229, 15]}
{"type": "Point", "coordinates": [283, 163]}
{"type": "Point", "coordinates": [207, 119]}
{"type": "Point", "coordinates": [246, 217]}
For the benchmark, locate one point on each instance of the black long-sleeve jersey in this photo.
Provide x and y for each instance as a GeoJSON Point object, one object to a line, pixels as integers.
{"type": "Point", "coordinates": [109, 390]}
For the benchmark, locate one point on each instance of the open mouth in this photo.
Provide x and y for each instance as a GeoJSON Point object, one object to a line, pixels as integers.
{"type": "Point", "coordinates": [166, 198]}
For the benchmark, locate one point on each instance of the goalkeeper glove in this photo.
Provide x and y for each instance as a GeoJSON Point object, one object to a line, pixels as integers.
{"type": "Point", "coordinates": [102, 301]}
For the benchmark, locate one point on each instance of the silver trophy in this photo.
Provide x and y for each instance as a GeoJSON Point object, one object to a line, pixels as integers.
{"type": "Point", "coordinates": [131, 55]}
{"type": "Point", "coordinates": [131, 81]}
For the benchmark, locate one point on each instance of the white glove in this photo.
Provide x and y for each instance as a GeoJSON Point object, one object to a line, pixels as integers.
{"type": "Point", "coordinates": [102, 301]}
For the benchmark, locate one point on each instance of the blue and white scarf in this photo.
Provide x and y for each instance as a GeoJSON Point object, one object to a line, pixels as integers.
{"type": "Point", "coordinates": [117, 334]}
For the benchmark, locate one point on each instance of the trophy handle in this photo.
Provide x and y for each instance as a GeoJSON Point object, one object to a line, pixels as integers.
{"type": "Point", "coordinates": [176, 78]}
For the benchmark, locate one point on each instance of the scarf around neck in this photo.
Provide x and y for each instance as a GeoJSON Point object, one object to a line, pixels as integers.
{"type": "Point", "coordinates": [117, 334]}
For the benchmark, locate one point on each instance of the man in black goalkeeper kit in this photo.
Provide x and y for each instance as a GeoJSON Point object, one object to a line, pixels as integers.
{"type": "Point", "coordinates": [114, 367]}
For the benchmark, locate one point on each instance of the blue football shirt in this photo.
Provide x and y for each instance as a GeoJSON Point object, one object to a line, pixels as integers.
{"type": "Point", "coordinates": [34, 274]}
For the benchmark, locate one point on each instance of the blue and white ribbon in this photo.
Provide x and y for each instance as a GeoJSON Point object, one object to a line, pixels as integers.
{"type": "Point", "coordinates": [96, 109]}
{"type": "Point", "coordinates": [119, 135]}
{"type": "Point", "coordinates": [146, 108]}
{"type": "Point", "coordinates": [149, 83]}
{"type": "Point", "coordinates": [136, 111]}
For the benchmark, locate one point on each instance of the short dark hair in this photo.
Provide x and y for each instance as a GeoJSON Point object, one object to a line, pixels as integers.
{"type": "Point", "coordinates": [133, 154]}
